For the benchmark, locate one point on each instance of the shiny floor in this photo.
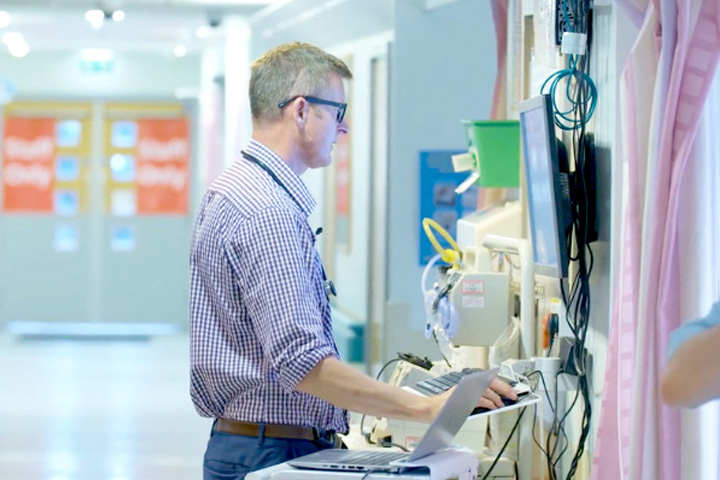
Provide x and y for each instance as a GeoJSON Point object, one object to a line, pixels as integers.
{"type": "Point", "coordinates": [98, 410]}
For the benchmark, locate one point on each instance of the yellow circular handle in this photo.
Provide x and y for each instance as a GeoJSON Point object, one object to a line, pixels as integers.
{"type": "Point", "coordinates": [449, 256]}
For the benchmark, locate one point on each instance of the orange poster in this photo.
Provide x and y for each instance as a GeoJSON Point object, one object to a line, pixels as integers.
{"type": "Point", "coordinates": [27, 171]}
{"type": "Point", "coordinates": [163, 166]}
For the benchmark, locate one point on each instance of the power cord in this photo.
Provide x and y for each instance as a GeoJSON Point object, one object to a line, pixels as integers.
{"type": "Point", "coordinates": [437, 343]}
{"type": "Point", "coordinates": [502, 449]}
{"type": "Point", "coordinates": [407, 357]}
{"type": "Point", "coordinates": [580, 94]}
{"type": "Point", "coordinates": [370, 472]}
{"type": "Point", "coordinates": [580, 91]}
{"type": "Point", "coordinates": [377, 377]}
{"type": "Point", "coordinates": [550, 462]}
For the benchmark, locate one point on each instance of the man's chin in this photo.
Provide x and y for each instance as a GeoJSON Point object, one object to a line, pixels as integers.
{"type": "Point", "coordinates": [321, 164]}
{"type": "Point", "coordinates": [325, 162]}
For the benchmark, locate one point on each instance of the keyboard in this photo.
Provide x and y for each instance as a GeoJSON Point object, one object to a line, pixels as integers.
{"type": "Point", "coordinates": [436, 385]}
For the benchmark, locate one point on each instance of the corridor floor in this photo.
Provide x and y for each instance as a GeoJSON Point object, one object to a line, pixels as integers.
{"type": "Point", "coordinates": [98, 410]}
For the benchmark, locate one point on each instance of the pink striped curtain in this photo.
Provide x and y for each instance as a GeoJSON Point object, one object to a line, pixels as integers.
{"type": "Point", "coordinates": [500, 20]}
{"type": "Point", "coordinates": [676, 54]}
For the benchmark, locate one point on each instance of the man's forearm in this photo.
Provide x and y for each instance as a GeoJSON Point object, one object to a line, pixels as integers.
{"type": "Point", "coordinates": [350, 389]}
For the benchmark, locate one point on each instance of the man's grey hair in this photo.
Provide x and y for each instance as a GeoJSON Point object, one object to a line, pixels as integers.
{"type": "Point", "coordinates": [289, 70]}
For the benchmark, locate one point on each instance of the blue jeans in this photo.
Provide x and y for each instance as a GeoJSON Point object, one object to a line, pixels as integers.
{"type": "Point", "coordinates": [231, 457]}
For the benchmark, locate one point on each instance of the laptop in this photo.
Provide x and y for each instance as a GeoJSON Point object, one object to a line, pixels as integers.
{"type": "Point", "coordinates": [438, 436]}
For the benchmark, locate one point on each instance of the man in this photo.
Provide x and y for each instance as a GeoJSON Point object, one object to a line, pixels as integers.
{"type": "Point", "coordinates": [692, 373]}
{"type": "Point", "coordinates": [263, 360]}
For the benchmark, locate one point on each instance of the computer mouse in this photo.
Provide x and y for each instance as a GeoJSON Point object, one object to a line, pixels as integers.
{"type": "Point", "coordinates": [521, 392]}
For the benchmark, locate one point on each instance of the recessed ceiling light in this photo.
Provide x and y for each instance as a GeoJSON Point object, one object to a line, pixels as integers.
{"type": "Point", "coordinates": [19, 49]}
{"type": "Point", "coordinates": [95, 17]}
{"type": "Point", "coordinates": [10, 38]}
{"type": "Point", "coordinates": [96, 54]}
{"type": "Point", "coordinates": [118, 15]}
{"type": "Point", "coordinates": [202, 31]}
{"type": "Point", "coordinates": [4, 19]}
{"type": "Point", "coordinates": [179, 51]}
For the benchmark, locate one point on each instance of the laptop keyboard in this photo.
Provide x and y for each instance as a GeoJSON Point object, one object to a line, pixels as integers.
{"type": "Point", "coordinates": [434, 386]}
{"type": "Point", "coordinates": [366, 457]}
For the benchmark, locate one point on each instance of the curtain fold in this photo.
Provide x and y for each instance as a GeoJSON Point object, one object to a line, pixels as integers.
{"type": "Point", "coordinates": [700, 271]}
{"type": "Point", "coordinates": [500, 20]}
{"type": "Point", "coordinates": [640, 438]}
{"type": "Point", "coordinates": [613, 444]}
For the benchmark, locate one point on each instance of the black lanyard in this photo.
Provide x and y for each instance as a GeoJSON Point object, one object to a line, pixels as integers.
{"type": "Point", "coordinates": [329, 286]}
{"type": "Point", "coordinates": [275, 178]}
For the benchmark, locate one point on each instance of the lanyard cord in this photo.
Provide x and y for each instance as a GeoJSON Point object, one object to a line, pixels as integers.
{"type": "Point", "coordinates": [329, 286]}
{"type": "Point", "coordinates": [275, 178]}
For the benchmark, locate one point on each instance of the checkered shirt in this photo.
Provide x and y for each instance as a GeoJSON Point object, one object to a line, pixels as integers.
{"type": "Point", "coordinates": [259, 315]}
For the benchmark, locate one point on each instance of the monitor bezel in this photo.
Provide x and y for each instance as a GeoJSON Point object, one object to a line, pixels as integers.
{"type": "Point", "coordinates": [544, 103]}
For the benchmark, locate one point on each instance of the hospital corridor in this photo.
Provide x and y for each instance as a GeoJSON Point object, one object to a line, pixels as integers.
{"type": "Point", "coordinates": [476, 238]}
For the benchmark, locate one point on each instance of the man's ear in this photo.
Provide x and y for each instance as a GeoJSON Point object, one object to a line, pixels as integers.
{"type": "Point", "coordinates": [301, 110]}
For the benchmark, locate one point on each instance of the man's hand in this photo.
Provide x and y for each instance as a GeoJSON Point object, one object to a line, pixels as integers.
{"type": "Point", "coordinates": [490, 399]}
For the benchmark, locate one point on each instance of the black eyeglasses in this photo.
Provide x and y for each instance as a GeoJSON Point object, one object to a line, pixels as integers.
{"type": "Point", "coordinates": [341, 107]}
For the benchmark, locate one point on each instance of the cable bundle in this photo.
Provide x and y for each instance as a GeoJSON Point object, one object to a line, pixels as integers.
{"type": "Point", "coordinates": [580, 91]}
{"type": "Point", "coordinates": [581, 96]}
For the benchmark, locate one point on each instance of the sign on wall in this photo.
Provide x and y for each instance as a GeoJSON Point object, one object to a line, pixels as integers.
{"type": "Point", "coordinates": [149, 166]}
{"type": "Point", "coordinates": [28, 163]}
{"type": "Point", "coordinates": [438, 199]}
{"type": "Point", "coordinates": [163, 159]}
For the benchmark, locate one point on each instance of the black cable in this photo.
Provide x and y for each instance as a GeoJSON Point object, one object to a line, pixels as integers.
{"type": "Point", "coordinates": [377, 377]}
{"type": "Point", "coordinates": [370, 472]}
{"type": "Point", "coordinates": [437, 343]}
{"type": "Point", "coordinates": [397, 445]}
{"type": "Point", "coordinates": [577, 301]}
{"type": "Point", "coordinates": [561, 422]}
{"type": "Point", "coordinates": [507, 441]}
{"type": "Point", "coordinates": [582, 300]}
{"type": "Point", "coordinates": [551, 472]}
{"type": "Point", "coordinates": [387, 364]}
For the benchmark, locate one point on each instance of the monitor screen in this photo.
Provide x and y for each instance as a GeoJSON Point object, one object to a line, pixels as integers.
{"type": "Point", "coordinates": [546, 200]}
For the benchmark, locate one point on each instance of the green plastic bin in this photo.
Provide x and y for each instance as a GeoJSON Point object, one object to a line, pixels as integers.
{"type": "Point", "coordinates": [495, 144]}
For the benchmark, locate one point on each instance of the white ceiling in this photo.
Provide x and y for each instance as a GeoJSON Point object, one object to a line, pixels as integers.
{"type": "Point", "coordinates": [149, 25]}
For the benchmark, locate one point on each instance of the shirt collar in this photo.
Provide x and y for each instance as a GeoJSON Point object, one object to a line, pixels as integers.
{"type": "Point", "coordinates": [282, 170]}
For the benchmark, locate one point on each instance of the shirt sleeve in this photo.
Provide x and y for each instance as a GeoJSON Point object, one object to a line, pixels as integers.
{"type": "Point", "coordinates": [692, 328]}
{"type": "Point", "coordinates": [275, 252]}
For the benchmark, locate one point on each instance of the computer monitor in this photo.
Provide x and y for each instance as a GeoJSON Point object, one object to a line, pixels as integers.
{"type": "Point", "coordinates": [548, 196]}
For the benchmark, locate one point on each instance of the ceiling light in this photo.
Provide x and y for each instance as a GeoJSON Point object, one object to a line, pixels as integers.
{"type": "Point", "coordinates": [202, 31]}
{"type": "Point", "coordinates": [179, 51]}
{"type": "Point", "coordinates": [96, 60]}
{"type": "Point", "coordinates": [96, 54]}
{"type": "Point", "coordinates": [95, 17]}
{"type": "Point", "coordinates": [4, 19]}
{"type": "Point", "coordinates": [10, 38]}
{"type": "Point", "coordinates": [118, 15]}
{"type": "Point", "coordinates": [19, 49]}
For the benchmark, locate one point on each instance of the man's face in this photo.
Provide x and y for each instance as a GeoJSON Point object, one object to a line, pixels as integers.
{"type": "Point", "coordinates": [322, 128]}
